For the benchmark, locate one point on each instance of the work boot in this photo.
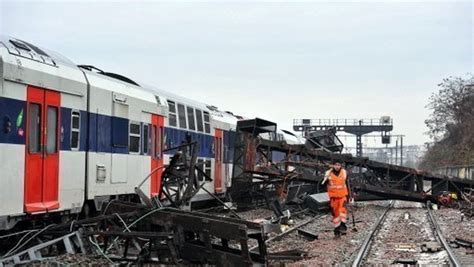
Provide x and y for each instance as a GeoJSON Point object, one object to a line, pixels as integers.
{"type": "Point", "coordinates": [337, 232]}
{"type": "Point", "coordinates": [343, 227]}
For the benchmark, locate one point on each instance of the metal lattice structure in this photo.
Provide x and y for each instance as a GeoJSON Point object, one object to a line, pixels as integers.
{"type": "Point", "coordinates": [369, 180]}
{"type": "Point", "coordinates": [357, 127]}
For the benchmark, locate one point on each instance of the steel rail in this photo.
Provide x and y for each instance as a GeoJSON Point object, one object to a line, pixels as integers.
{"type": "Point", "coordinates": [439, 236]}
{"type": "Point", "coordinates": [365, 246]}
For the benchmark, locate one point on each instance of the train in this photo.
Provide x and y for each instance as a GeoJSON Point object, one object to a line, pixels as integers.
{"type": "Point", "coordinates": [73, 136]}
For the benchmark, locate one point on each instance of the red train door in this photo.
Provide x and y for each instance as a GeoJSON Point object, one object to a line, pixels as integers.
{"type": "Point", "coordinates": [42, 150]}
{"type": "Point", "coordinates": [218, 161]}
{"type": "Point", "coordinates": [157, 133]}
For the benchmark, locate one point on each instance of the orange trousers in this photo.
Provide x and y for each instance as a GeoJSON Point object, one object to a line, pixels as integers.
{"type": "Point", "coordinates": [338, 210]}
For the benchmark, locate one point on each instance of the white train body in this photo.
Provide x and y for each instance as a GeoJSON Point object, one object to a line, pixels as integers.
{"type": "Point", "coordinates": [69, 136]}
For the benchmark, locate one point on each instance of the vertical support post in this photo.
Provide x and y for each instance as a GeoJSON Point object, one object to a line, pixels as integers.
{"type": "Point", "coordinates": [390, 160]}
{"type": "Point", "coordinates": [396, 152]}
{"type": "Point", "coordinates": [359, 145]}
{"type": "Point", "coordinates": [359, 140]}
{"type": "Point", "coordinates": [401, 150]}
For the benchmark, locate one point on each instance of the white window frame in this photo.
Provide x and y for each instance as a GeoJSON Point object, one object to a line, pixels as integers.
{"type": "Point", "coordinates": [185, 116]}
{"type": "Point", "coordinates": [130, 134]}
{"type": "Point", "coordinates": [197, 120]}
{"type": "Point", "coordinates": [146, 140]}
{"type": "Point", "coordinates": [193, 117]}
{"type": "Point", "coordinates": [204, 113]}
{"type": "Point", "coordinates": [175, 113]}
{"type": "Point", "coordinates": [208, 167]}
{"type": "Point", "coordinates": [206, 164]}
{"type": "Point", "coordinates": [78, 130]}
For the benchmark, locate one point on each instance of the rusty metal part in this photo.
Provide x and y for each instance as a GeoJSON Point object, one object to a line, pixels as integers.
{"type": "Point", "coordinates": [281, 235]}
{"type": "Point", "coordinates": [257, 178]}
{"type": "Point", "coordinates": [205, 238]}
{"type": "Point", "coordinates": [463, 242]}
{"type": "Point", "coordinates": [161, 241]}
{"type": "Point", "coordinates": [166, 236]}
{"type": "Point", "coordinates": [307, 234]}
{"type": "Point", "coordinates": [178, 180]}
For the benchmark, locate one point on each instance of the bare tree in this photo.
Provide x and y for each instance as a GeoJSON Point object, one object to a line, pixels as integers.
{"type": "Point", "coordinates": [451, 123]}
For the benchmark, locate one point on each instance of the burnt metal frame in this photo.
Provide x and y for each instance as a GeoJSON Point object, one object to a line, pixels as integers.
{"type": "Point", "coordinates": [170, 236]}
{"type": "Point", "coordinates": [369, 179]}
{"type": "Point", "coordinates": [179, 183]}
{"type": "Point", "coordinates": [244, 190]}
{"type": "Point", "coordinates": [197, 234]}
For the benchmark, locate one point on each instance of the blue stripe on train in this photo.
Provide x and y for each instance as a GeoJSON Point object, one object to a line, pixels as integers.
{"type": "Point", "coordinates": [12, 121]}
{"type": "Point", "coordinates": [229, 142]}
{"type": "Point", "coordinates": [175, 137]}
{"type": "Point", "coordinates": [107, 134]}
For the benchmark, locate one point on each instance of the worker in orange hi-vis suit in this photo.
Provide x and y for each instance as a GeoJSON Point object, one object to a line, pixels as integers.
{"type": "Point", "coordinates": [337, 191]}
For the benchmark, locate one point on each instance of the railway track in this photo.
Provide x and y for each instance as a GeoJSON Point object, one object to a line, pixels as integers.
{"type": "Point", "coordinates": [315, 241]}
{"type": "Point", "coordinates": [366, 244]}
{"type": "Point", "coordinates": [406, 235]}
{"type": "Point", "coordinates": [458, 254]}
{"type": "Point", "coordinates": [439, 235]}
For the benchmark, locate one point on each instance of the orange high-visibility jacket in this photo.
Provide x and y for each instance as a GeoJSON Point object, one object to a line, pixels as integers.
{"type": "Point", "coordinates": [337, 184]}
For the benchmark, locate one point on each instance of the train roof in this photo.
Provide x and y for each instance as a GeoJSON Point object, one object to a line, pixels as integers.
{"type": "Point", "coordinates": [25, 49]}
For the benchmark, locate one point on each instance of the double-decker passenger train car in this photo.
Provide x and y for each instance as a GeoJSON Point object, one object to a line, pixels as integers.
{"type": "Point", "coordinates": [72, 137]}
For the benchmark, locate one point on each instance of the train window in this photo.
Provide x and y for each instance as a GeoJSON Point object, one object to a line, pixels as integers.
{"type": "Point", "coordinates": [207, 124]}
{"type": "Point", "coordinates": [207, 168]}
{"type": "Point", "coordinates": [199, 120]}
{"type": "Point", "coordinates": [200, 165]}
{"type": "Point", "coordinates": [36, 49]}
{"type": "Point", "coordinates": [75, 129]}
{"type": "Point", "coordinates": [172, 113]}
{"type": "Point", "coordinates": [34, 128]}
{"type": "Point", "coordinates": [182, 116]}
{"type": "Point", "coordinates": [146, 139]}
{"type": "Point", "coordinates": [52, 130]}
{"type": "Point", "coordinates": [191, 122]}
{"type": "Point", "coordinates": [20, 45]}
{"type": "Point", "coordinates": [134, 137]}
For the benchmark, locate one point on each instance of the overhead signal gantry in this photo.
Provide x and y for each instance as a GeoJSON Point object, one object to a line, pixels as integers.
{"type": "Point", "coordinates": [357, 127]}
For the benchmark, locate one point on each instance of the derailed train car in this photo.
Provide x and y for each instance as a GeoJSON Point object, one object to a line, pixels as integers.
{"type": "Point", "coordinates": [73, 137]}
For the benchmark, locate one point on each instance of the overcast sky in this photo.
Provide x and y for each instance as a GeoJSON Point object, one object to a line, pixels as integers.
{"type": "Point", "coordinates": [277, 61]}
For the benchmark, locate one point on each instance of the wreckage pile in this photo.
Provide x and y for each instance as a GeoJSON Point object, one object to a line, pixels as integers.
{"type": "Point", "coordinates": [135, 233]}
{"type": "Point", "coordinates": [275, 211]}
